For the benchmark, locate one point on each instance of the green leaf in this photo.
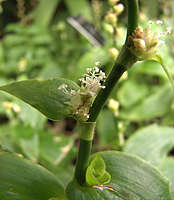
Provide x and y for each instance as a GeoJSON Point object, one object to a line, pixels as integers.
{"type": "Point", "coordinates": [43, 95]}
{"type": "Point", "coordinates": [158, 59]}
{"type": "Point", "coordinates": [168, 119]}
{"type": "Point", "coordinates": [45, 11]}
{"type": "Point", "coordinates": [56, 149]}
{"type": "Point", "coordinates": [37, 121]}
{"type": "Point", "coordinates": [76, 191]}
{"type": "Point", "coordinates": [166, 168]}
{"type": "Point", "coordinates": [131, 179]}
{"type": "Point", "coordinates": [138, 92]}
{"type": "Point", "coordinates": [89, 59]}
{"type": "Point", "coordinates": [107, 134]}
{"type": "Point", "coordinates": [151, 143]}
{"type": "Point", "coordinates": [96, 173]}
{"type": "Point", "coordinates": [149, 67]}
{"type": "Point", "coordinates": [6, 138]}
{"type": "Point", "coordinates": [27, 139]}
{"type": "Point", "coordinates": [80, 7]}
{"type": "Point", "coordinates": [23, 180]}
{"type": "Point", "coordinates": [42, 146]}
{"type": "Point", "coordinates": [155, 105]}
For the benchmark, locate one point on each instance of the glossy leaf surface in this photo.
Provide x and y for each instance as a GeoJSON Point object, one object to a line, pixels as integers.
{"type": "Point", "coordinates": [23, 180]}
{"type": "Point", "coordinates": [131, 179]}
{"type": "Point", "coordinates": [43, 95]}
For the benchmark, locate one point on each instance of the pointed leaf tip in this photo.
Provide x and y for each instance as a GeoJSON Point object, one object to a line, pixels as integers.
{"type": "Point", "coordinates": [44, 95]}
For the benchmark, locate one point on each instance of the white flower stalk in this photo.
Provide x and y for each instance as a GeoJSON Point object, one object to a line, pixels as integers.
{"type": "Point", "coordinates": [145, 43]}
{"type": "Point", "coordinates": [81, 100]}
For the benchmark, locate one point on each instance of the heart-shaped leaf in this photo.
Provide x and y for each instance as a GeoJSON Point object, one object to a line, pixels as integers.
{"type": "Point", "coordinates": [96, 173]}
{"type": "Point", "coordinates": [44, 95]}
{"type": "Point", "coordinates": [131, 179]}
{"type": "Point", "coordinates": [23, 180]}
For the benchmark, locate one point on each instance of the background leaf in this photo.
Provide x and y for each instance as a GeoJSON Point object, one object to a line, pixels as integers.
{"type": "Point", "coordinates": [22, 180]}
{"type": "Point", "coordinates": [107, 134]}
{"type": "Point", "coordinates": [131, 93]}
{"type": "Point", "coordinates": [56, 149]}
{"type": "Point", "coordinates": [167, 167]}
{"type": "Point", "coordinates": [155, 105]}
{"type": "Point", "coordinates": [80, 7]}
{"type": "Point", "coordinates": [151, 143]}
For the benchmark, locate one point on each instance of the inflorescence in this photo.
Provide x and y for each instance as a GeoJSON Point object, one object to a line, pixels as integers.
{"type": "Point", "coordinates": [144, 43]}
{"type": "Point", "coordinates": [81, 100]}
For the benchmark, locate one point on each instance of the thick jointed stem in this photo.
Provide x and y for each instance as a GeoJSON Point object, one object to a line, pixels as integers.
{"type": "Point", "coordinates": [124, 61]}
{"type": "Point", "coordinates": [83, 159]}
{"type": "Point", "coordinates": [86, 132]}
{"type": "Point", "coordinates": [132, 17]}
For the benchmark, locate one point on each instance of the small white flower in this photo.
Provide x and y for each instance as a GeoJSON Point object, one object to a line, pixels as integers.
{"type": "Point", "coordinates": [97, 63]}
{"type": "Point", "coordinates": [63, 87]}
{"type": "Point", "coordinates": [81, 100]}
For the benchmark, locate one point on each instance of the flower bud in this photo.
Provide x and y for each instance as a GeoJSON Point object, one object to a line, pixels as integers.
{"type": "Point", "coordinates": [8, 105]}
{"type": "Point", "coordinates": [113, 104]}
{"type": "Point", "coordinates": [111, 18]}
{"type": "Point", "coordinates": [109, 28]}
{"type": "Point", "coordinates": [139, 44]}
{"type": "Point", "coordinates": [118, 8]}
{"type": "Point", "coordinates": [143, 43]}
{"type": "Point", "coordinates": [113, 52]}
{"type": "Point", "coordinates": [16, 108]}
{"type": "Point", "coordinates": [22, 64]}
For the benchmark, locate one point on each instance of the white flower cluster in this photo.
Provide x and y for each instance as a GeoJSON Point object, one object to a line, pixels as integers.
{"type": "Point", "coordinates": [144, 43]}
{"type": "Point", "coordinates": [81, 100]}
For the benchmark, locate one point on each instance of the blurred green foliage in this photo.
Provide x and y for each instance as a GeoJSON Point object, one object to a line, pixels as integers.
{"type": "Point", "coordinates": [42, 45]}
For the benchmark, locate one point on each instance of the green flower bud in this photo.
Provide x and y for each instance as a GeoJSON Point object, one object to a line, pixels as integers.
{"type": "Point", "coordinates": [111, 18]}
{"type": "Point", "coordinates": [118, 8]}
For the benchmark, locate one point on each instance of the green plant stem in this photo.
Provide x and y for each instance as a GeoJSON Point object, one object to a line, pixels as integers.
{"type": "Point", "coordinates": [86, 133]}
{"type": "Point", "coordinates": [124, 61]}
{"type": "Point", "coordinates": [83, 159]}
{"type": "Point", "coordinates": [133, 15]}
